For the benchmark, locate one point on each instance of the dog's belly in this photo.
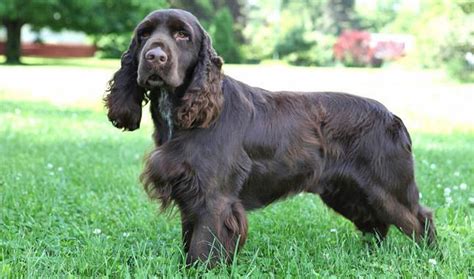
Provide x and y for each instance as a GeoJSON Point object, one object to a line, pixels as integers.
{"type": "Point", "coordinates": [270, 181]}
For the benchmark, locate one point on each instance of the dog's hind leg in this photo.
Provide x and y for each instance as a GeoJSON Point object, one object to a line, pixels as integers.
{"type": "Point", "coordinates": [373, 226]}
{"type": "Point", "coordinates": [346, 198]}
{"type": "Point", "coordinates": [389, 209]}
{"type": "Point", "coordinates": [394, 196]}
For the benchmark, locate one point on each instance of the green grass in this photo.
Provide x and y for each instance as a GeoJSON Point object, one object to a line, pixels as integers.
{"type": "Point", "coordinates": [71, 204]}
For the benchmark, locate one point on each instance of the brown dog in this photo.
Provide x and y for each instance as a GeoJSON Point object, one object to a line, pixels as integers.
{"type": "Point", "coordinates": [223, 147]}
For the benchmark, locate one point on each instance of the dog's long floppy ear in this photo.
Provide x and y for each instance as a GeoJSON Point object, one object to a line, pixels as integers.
{"type": "Point", "coordinates": [202, 102]}
{"type": "Point", "coordinates": [124, 97]}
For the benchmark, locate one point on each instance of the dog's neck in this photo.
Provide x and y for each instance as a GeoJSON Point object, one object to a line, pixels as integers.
{"type": "Point", "coordinates": [165, 107]}
{"type": "Point", "coordinates": [164, 102]}
{"type": "Point", "coordinates": [162, 107]}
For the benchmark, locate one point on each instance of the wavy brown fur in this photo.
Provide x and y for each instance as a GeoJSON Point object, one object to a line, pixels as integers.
{"type": "Point", "coordinates": [202, 101]}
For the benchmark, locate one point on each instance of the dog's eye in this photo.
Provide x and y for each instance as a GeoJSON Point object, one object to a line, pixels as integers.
{"type": "Point", "coordinates": [181, 36]}
{"type": "Point", "coordinates": [145, 34]}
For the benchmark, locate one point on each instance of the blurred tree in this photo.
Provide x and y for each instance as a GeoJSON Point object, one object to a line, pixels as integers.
{"type": "Point", "coordinates": [205, 10]}
{"type": "Point", "coordinates": [223, 37]}
{"type": "Point", "coordinates": [340, 16]}
{"type": "Point", "coordinates": [300, 32]}
{"type": "Point", "coordinates": [90, 16]}
{"type": "Point", "coordinates": [376, 17]}
{"type": "Point", "coordinates": [433, 24]}
{"type": "Point", "coordinates": [294, 40]}
{"type": "Point", "coordinates": [224, 19]}
{"type": "Point", "coordinates": [202, 9]}
{"type": "Point", "coordinates": [457, 51]}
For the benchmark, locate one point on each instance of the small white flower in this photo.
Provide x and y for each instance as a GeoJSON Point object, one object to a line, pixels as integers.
{"type": "Point", "coordinates": [49, 166]}
{"type": "Point", "coordinates": [420, 195]}
{"type": "Point", "coordinates": [471, 200]}
{"type": "Point", "coordinates": [469, 57]}
{"type": "Point", "coordinates": [126, 234]}
{"type": "Point", "coordinates": [447, 191]}
{"type": "Point", "coordinates": [432, 261]}
{"type": "Point", "coordinates": [51, 173]}
{"type": "Point", "coordinates": [449, 201]}
{"type": "Point", "coordinates": [457, 173]}
{"type": "Point", "coordinates": [60, 169]}
{"type": "Point", "coordinates": [433, 166]}
{"type": "Point", "coordinates": [97, 231]}
{"type": "Point", "coordinates": [333, 230]}
{"type": "Point", "coordinates": [463, 186]}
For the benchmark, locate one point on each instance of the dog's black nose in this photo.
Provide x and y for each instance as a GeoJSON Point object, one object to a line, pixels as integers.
{"type": "Point", "coordinates": [156, 55]}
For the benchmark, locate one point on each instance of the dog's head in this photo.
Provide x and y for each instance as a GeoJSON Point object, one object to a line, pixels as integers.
{"type": "Point", "coordinates": [170, 50]}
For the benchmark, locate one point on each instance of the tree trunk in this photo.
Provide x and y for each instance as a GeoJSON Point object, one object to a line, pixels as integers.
{"type": "Point", "coordinates": [13, 44]}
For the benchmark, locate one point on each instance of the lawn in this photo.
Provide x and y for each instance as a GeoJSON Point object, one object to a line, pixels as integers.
{"type": "Point", "coordinates": [71, 203]}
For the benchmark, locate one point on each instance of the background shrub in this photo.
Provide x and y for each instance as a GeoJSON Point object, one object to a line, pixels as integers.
{"type": "Point", "coordinates": [353, 48]}
{"type": "Point", "coordinates": [112, 45]}
{"type": "Point", "coordinates": [457, 53]}
{"type": "Point", "coordinates": [223, 36]}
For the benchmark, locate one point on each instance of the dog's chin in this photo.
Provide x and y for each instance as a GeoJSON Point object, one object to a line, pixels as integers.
{"type": "Point", "coordinates": [150, 82]}
{"type": "Point", "coordinates": [154, 81]}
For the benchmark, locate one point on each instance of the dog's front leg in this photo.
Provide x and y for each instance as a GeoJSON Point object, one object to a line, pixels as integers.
{"type": "Point", "coordinates": [218, 230]}
{"type": "Point", "coordinates": [187, 227]}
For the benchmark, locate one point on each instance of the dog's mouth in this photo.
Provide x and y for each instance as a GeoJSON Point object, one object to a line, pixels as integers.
{"type": "Point", "coordinates": [154, 81]}
{"type": "Point", "coordinates": [155, 78]}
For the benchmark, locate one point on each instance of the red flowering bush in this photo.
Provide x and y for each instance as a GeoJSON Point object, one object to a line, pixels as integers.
{"type": "Point", "coordinates": [357, 49]}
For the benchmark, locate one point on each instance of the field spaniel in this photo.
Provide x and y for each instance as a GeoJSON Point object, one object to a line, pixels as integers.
{"type": "Point", "coordinates": [224, 147]}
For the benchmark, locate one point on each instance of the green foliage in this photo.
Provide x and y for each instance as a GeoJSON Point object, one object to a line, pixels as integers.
{"type": "Point", "coordinates": [223, 19]}
{"type": "Point", "coordinates": [431, 24]}
{"type": "Point", "coordinates": [294, 41]}
{"type": "Point", "coordinates": [223, 36]}
{"type": "Point", "coordinates": [94, 17]}
{"type": "Point", "coordinates": [458, 48]}
{"type": "Point", "coordinates": [340, 15]}
{"type": "Point", "coordinates": [259, 32]}
{"type": "Point", "coordinates": [112, 45]}
{"type": "Point", "coordinates": [376, 18]}
{"type": "Point", "coordinates": [443, 31]}
{"type": "Point", "coordinates": [27, 11]}
{"type": "Point", "coordinates": [299, 32]}
{"type": "Point", "coordinates": [322, 51]}
{"type": "Point", "coordinates": [114, 21]}
{"type": "Point", "coordinates": [303, 48]}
